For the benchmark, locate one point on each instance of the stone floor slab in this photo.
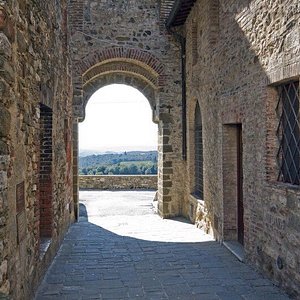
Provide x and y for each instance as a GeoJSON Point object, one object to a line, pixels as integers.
{"type": "Point", "coordinates": [121, 249]}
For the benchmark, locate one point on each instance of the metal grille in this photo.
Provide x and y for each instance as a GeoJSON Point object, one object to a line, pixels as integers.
{"type": "Point", "coordinates": [198, 154]}
{"type": "Point", "coordinates": [288, 133]}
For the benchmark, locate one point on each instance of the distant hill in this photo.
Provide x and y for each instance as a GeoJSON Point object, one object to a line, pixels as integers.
{"type": "Point", "coordinates": [127, 163]}
{"type": "Point", "coordinates": [84, 153]}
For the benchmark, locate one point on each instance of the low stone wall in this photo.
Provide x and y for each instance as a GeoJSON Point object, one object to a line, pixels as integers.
{"type": "Point", "coordinates": [118, 182]}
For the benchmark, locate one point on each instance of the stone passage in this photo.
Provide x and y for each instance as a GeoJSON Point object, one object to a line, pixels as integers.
{"type": "Point", "coordinates": [121, 249]}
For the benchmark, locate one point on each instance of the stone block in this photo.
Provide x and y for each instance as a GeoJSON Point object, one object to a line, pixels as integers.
{"type": "Point", "coordinates": [292, 201]}
{"type": "Point", "coordinates": [294, 222]}
{"type": "Point", "coordinates": [4, 162]}
{"type": "Point", "coordinates": [5, 122]}
{"type": "Point", "coordinates": [3, 148]}
{"type": "Point", "coordinates": [166, 118]}
{"type": "Point", "coordinates": [22, 43]}
{"type": "Point", "coordinates": [3, 270]}
{"type": "Point", "coordinates": [3, 88]}
{"type": "Point", "coordinates": [4, 290]}
{"type": "Point", "coordinates": [3, 179]}
{"type": "Point", "coordinates": [5, 46]}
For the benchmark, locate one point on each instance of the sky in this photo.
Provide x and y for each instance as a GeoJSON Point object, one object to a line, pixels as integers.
{"type": "Point", "coordinates": [118, 118]}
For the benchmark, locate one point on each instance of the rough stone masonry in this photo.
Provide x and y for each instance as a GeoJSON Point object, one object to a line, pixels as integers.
{"type": "Point", "coordinates": [126, 42]}
{"type": "Point", "coordinates": [35, 141]}
{"type": "Point", "coordinates": [239, 55]}
{"type": "Point", "coordinates": [218, 150]}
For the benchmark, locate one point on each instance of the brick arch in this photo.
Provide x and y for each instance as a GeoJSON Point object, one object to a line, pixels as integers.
{"type": "Point", "coordinates": [146, 71]}
{"type": "Point", "coordinates": [130, 79]}
{"type": "Point", "coordinates": [139, 56]}
{"type": "Point", "coordinates": [122, 66]}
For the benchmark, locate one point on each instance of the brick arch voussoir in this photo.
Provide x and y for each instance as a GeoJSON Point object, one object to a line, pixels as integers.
{"type": "Point", "coordinates": [141, 56]}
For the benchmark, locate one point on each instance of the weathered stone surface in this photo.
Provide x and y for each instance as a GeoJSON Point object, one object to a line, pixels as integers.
{"type": "Point", "coordinates": [237, 54]}
{"type": "Point", "coordinates": [127, 44]}
{"type": "Point", "coordinates": [3, 148]}
{"type": "Point", "coordinates": [3, 276]}
{"type": "Point", "coordinates": [5, 122]}
{"type": "Point", "coordinates": [116, 182]}
{"type": "Point", "coordinates": [35, 55]}
{"type": "Point", "coordinates": [3, 18]}
{"type": "Point", "coordinates": [4, 162]}
{"type": "Point", "coordinates": [5, 46]}
{"type": "Point", "coordinates": [3, 179]}
{"type": "Point", "coordinates": [3, 88]}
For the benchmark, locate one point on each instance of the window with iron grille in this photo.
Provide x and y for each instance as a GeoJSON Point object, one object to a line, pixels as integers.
{"type": "Point", "coordinates": [288, 133]}
{"type": "Point", "coordinates": [198, 154]}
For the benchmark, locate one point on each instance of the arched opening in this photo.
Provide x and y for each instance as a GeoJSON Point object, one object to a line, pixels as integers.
{"type": "Point", "coordinates": [198, 140]}
{"type": "Point", "coordinates": [197, 209]}
{"type": "Point", "coordinates": [118, 141]}
{"type": "Point", "coordinates": [143, 71]}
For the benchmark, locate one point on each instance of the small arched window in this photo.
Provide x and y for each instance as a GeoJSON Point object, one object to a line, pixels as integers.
{"type": "Point", "coordinates": [198, 153]}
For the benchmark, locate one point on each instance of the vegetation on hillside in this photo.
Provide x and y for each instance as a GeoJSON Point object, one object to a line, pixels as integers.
{"type": "Point", "coordinates": [127, 163]}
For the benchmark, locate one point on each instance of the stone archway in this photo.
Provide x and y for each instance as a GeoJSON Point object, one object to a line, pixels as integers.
{"type": "Point", "coordinates": [116, 77]}
{"type": "Point", "coordinates": [142, 70]}
{"type": "Point", "coordinates": [138, 69]}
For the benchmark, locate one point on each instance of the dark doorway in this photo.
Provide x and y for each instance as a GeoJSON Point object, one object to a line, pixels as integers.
{"type": "Point", "coordinates": [233, 203]}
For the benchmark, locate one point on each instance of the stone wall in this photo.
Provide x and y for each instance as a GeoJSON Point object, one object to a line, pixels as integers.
{"type": "Point", "coordinates": [124, 42]}
{"type": "Point", "coordinates": [236, 54]}
{"type": "Point", "coordinates": [118, 182]}
{"type": "Point", "coordinates": [35, 155]}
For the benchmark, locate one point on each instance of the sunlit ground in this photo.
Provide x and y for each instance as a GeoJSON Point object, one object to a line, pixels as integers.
{"type": "Point", "coordinates": [131, 213]}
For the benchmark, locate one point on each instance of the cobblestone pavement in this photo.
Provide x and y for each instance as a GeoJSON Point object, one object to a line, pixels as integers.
{"type": "Point", "coordinates": [121, 249]}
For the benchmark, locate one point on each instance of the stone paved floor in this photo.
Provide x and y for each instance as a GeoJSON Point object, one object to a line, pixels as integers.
{"type": "Point", "coordinates": [121, 249]}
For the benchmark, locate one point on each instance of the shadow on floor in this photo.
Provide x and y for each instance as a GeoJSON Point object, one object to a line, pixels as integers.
{"type": "Point", "coordinates": [95, 263]}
